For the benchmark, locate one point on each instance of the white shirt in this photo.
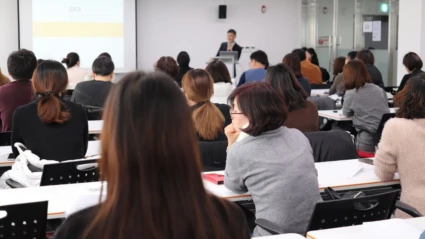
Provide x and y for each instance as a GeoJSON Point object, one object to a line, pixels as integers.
{"type": "Point", "coordinates": [221, 92]}
{"type": "Point", "coordinates": [76, 74]}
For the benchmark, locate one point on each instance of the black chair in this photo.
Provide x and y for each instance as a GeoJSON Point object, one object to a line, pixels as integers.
{"type": "Point", "coordinates": [391, 89]}
{"type": "Point", "coordinates": [213, 155]}
{"type": "Point", "coordinates": [5, 138]}
{"type": "Point", "coordinates": [24, 221]}
{"type": "Point", "coordinates": [68, 94]}
{"type": "Point", "coordinates": [331, 145]}
{"type": "Point", "coordinates": [93, 112]}
{"type": "Point", "coordinates": [384, 119]}
{"type": "Point", "coordinates": [324, 103]}
{"type": "Point", "coordinates": [81, 171]}
{"type": "Point", "coordinates": [345, 212]}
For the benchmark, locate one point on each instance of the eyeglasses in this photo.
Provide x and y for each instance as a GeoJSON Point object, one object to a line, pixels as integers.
{"type": "Point", "coordinates": [235, 113]}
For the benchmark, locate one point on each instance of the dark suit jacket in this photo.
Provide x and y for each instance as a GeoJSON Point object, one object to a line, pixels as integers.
{"type": "Point", "coordinates": [375, 75]}
{"type": "Point", "coordinates": [236, 47]}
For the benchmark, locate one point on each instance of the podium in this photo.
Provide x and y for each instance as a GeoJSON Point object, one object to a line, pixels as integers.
{"type": "Point", "coordinates": [230, 59]}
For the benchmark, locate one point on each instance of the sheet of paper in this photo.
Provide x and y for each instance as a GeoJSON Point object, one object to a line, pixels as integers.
{"type": "Point", "coordinates": [376, 30]}
{"type": "Point", "coordinates": [389, 229]}
{"type": "Point", "coordinates": [367, 26]}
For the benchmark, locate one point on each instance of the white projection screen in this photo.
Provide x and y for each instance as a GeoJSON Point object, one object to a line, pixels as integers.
{"type": "Point", "coordinates": [53, 28]}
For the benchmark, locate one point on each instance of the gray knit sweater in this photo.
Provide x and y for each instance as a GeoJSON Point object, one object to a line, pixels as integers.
{"type": "Point", "coordinates": [277, 168]}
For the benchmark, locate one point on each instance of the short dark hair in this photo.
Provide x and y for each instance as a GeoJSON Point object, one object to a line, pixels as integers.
{"type": "Point", "coordinates": [21, 64]}
{"type": "Point", "coordinates": [412, 61]}
{"type": "Point", "coordinates": [355, 75]}
{"type": "Point", "coordinates": [71, 59]}
{"type": "Point", "coordinates": [261, 57]}
{"type": "Point", "coordinates": [103, 66]}
{"type": "Point", "coordinates": [352, 55]}
{"type": "Point", "coordinates": [183, 59]}
{"type": "Point", "coordinates": [411, 100]}
{"type": "Point", "coordinates": [105, 54]}
{"type": "Point", "coordinates": [168, 65]}
{"type": "Point", "coordinates": [366, 56]}
{"type": "Point", "coordinates": [293, 61]}
{"type": "Point", "coordinates": [262, 105]}
{"type": "Point", "coordinates": [339, 63]}
{"type": "Point", "coordinates": [283, 80]}
{"type": "Point", "coordinates": [232, 31]}
{"type": "Point", "coordinates": [219, 72]}
{"type": "Point", "coordinates": [300, 53]}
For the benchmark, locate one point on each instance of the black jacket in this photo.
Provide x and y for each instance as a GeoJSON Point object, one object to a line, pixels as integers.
{"type": "Point", "coordinates": [236, 47]}
{"type": "Point", "coordinates": [407, 77]}
{"type": "Point", "coordinates": [375, 75]}
{"type": "Point", "coordinates": [182, 71]}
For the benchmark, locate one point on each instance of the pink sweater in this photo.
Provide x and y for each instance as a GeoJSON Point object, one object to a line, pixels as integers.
{"type": "Point", "coordinates": [402, 148]}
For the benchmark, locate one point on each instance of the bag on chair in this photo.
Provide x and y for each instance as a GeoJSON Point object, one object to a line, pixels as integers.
{"type": "Point", "coordinates": [21, 172]}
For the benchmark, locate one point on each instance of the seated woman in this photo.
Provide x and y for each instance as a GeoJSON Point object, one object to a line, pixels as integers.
{"type": "Point", "coordinates": [367, 57]}
{"type": "Point", "coordinates": [311, 55]}
{"type": "Point", "coordinates": [222, 81]}
{"type": "Point", "coordinates": [293, 61]}
{"type": "Point", "coordinates": [209, 119]}
{"type": "Point", "coordinates": [338, 81]}
{"type": "Point", "coordinates": [302, 113]}
{"type": "Point", "coordinates": [183, 59]}
{"type": "Point", "coordinates": [153, 173]}
{"type": "Point", "coordinates": [365, 102]}
{"type": "Point", "coordinates": [266, 158]}
{"type": "Point", "coordinates": [169, 66]}
{"type": "Point", "coordinates": [413, 64]}
{"type": "Point", "coordinates": [402, 145]}
{"type": "Point", "coordinates": [51, 127]}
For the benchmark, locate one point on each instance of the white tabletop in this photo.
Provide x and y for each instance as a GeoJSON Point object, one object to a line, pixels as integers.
{"type": "Point", "coordinates": [60, 197]}
{"type": "Point", "coordinates": [338, 116]}
{"type": "Point", "coordinates": [92, 150]}
{"type": "Point", "coordinates": [95, 126]}
{"type": "Point", "coordinates": [340, 175]}
{"type": "Point", "coordinates": [361, 231]}
{"type": "Point", "coordinates": [282, 236]}
{"type": "Point", "coordinates": [319, 92]}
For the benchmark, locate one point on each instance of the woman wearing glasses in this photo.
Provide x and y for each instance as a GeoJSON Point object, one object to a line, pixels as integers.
{"type": "Point", "coordinates": [274, 163]}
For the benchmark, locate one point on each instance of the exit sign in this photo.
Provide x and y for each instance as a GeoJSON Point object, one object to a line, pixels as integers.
{"type": "Point", "coordinates": [384, 7]}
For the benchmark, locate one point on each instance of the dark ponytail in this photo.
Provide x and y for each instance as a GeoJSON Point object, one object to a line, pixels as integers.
{"type": "Point", "coordinates": [49, 81]}
{"type": "Point", "coordinates": [71, 59]}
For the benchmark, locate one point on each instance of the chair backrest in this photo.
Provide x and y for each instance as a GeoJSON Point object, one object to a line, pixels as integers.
{"type": "Point", "coordinates": [384, 119]}
{"type": "Point", "coordinates": [213, 155]}
{"type": "Point", "coordinates": [5, 138]}
{"type": "Point", "coordinates": [348, 212]}
{"type": "Point", "coordinates": [324, 103]}
{"type": "Point", "coordinates": [24, 221]}
{"type": "Point", "coordinates": [81, 171]}
{"type": "Point", "coordinates": [331, 145]}
{"type": "Point", "coordinates": [93, 112]}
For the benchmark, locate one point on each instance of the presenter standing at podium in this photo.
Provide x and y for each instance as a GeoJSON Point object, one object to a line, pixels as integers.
{"type": "Point", "coordinates": [230, 45]}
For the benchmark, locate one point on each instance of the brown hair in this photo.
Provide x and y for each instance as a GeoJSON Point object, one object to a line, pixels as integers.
{"type": "Point", "coordinates": [3, 79]}
{"type": "Point", "coordinates": [281, 78]}
{"type": "Point", "coordinates": [339, 63]}
{"type": "Point", "coordinates": [366, 56]}
{"type": "Point", "coordinates": [411, 100]}
{"type": "Point", "coordinates": [198, 85]}
{"type": "Point", "coordinates": [262, 105]}
{"type": "Point", "coordinates": [49, 82]}
{"type": "Point", "coordinates": [412, 61]}
{"type": "Point", "coordinates": [144, 193]}
{"type": "Point", "coordinates": [293, 61]}
{"type": "Point", "coordinates": [355, 75]}
{"type": "Point", "coordinates": [168, 65]}
{"type": "Point", "coordinates": [219, 72]}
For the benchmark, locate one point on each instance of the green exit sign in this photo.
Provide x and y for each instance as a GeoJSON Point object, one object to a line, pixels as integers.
{"type": "Point", "coordinates": [384, 7]}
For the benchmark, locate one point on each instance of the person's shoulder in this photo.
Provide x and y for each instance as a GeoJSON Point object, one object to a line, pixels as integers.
{"type": "Point", "coordinates": [310, 104]}
{"type": "Point", "coordinates": [84, 84]}
{"type": "Point", "coordinates": [75, 224]}
{"type": "Point", "coordinates": [222, 107]}
{"type": "Point", "coordinates": [396, 123]}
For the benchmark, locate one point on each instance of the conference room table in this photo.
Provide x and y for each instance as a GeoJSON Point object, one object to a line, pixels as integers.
{"type": "Point", "coordinates": [337, 115]}
{"type": "Point", "coordinates": [95, 126]}
{"type": "Point", "coordinates": [340, 175]}
{"type": "Point", "coordinates": [93, 149]}
{"type": "Point", "coordinates": [388, 229]}
{"type": "Point", "coordinates": [325, 92]}
{"type": "Point", "coordinates": [282, 236]}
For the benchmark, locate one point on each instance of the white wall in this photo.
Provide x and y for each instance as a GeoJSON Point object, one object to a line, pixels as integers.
{"type": "Point", "coordinates": [166, 27]}
{"type": "Point", "coordinates": [411, 35]}
{"type": "Point", "coordinates": [8, 31]}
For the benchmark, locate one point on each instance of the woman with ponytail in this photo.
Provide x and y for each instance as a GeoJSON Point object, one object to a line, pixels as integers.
{"type": "Point", "coordinates": [75, 73]}
{"type": "Point", "coordinates": [51, 127]}
{"type": "Point", "coordinates": [209, 119]}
